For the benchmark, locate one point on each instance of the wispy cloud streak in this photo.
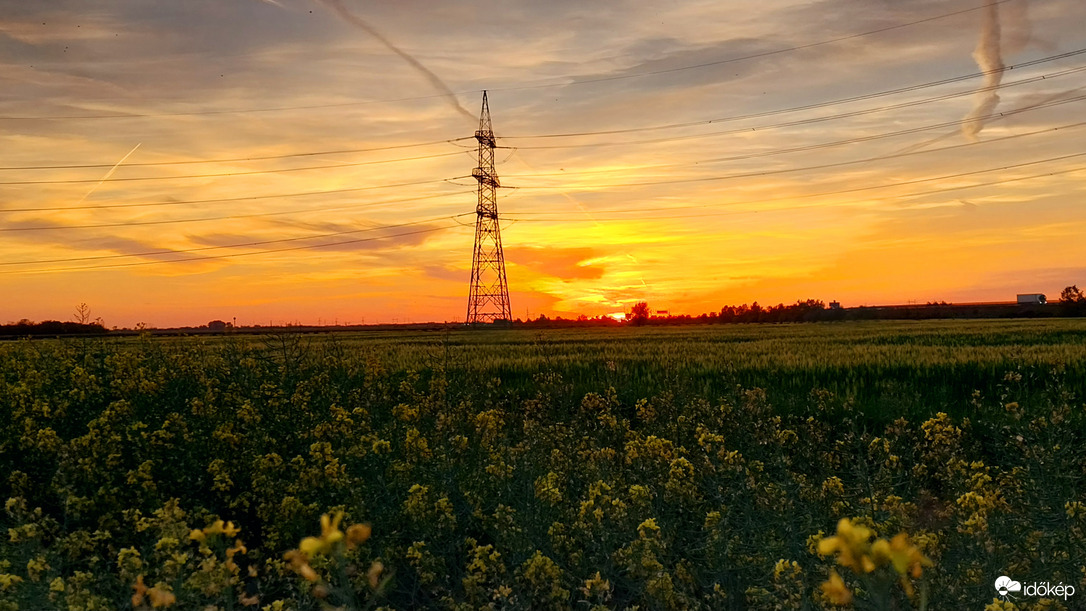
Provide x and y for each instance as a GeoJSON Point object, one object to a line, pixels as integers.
{"type": "Point", "coordinates": [108, 174]}
{"type": "Point", "coordinates": [989, 58]}
{"type": "Point", "coordinates": [353, 19]}
{"type": "Point", "coordinates": [1005, 30]}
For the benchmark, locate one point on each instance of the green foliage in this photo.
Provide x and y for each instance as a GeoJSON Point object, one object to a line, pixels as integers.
{"type": "Point", "coordinates": [602, 469]}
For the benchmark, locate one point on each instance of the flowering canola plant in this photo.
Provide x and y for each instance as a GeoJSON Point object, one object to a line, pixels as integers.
{"type": "Point", "coordinates": [874, 562]}
{"type": "Point", "coordinates": [693, 469]}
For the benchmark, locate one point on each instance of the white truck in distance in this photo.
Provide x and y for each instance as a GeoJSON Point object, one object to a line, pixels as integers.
{"type": "Point", "coordinates": [1031, 298]}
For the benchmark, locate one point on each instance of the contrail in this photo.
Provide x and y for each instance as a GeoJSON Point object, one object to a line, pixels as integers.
{"type": "Point", "coordinates": [992, 119]}
{"type": "Point", "coordinates": [108, 174]}
{"type": "Point", "coordinates": [1017, 29]}
{"type": "Point", "coordinates": [989, 58]}
{"type": "Point", "coordinates": [349, 17]}
{"type": "Point", "coordinates": [274, 3]}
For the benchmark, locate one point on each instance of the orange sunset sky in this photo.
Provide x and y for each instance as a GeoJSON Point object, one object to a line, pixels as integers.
{"type": "Point", "coordinates": [275, 161]}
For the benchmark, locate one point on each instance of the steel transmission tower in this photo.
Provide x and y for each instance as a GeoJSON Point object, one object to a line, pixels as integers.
{"type": "Point", "coordinates": [488, 300]}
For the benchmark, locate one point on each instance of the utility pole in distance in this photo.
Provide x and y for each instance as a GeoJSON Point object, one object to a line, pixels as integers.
{"type": "Point", "coordinates": [488, 298]}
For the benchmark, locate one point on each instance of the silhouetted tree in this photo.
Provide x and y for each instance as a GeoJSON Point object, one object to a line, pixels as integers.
{"type": "Point", "coordinates": [82, 314]}
{"type": "Point", "coordinates": [1072, 301]}
{"type": "Point", "coordinates": [1071, 295]}
{"type": "Point", "coordinates": [639, 313]}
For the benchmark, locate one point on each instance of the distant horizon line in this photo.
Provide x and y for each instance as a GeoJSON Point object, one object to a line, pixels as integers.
{"type": "Point", "coordinates": [218, 325]}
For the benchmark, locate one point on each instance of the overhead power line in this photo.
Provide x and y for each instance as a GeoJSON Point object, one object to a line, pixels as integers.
{"type": "Point", "coordinates": [156, 253]}
{"type": "Point", "coordinates": [230, 111]}
{"type": "Point", "coordinates": [371, 162]}
{"type": "Point", "coordinates": [213, 175]}
{"type": "Point", "coordinates": [824, 104]}
{"type": "Point", "coordinates": [544, 85]}
{"type": "Point", "coordinates": [797, 122]}
{"type": "Point", "coordinates": [515, 215]}
{"type": "Point", "coordinates": [255, 158]}
{"type": "Point", "coordinates": [820, 166]}
{"type": "Point", "coordinates": [657, 140]}
{"type": "Point", "coordinates": [233, 255]}
{"type": "Point", "coordinates": [196, 201]}
{"type": "Point", "coordinates": [808, 147]}
{"type": "Point", "coordinates": [595, 219]}
{"type": "Point", "coordinates": [230, 216]}
{"type": "Point", "coordinates": [731, 60]}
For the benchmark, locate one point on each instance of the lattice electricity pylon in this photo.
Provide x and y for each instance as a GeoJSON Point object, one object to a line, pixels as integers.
{"type": "Point", "coordinates": [488, 299]}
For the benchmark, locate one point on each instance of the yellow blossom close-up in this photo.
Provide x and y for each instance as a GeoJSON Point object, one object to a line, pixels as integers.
{"type": "Point", "coordinates": [836, 591]}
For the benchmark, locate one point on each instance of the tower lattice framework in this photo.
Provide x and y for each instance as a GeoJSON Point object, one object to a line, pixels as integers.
{"type": "Point", "coordinates": [488, 300]}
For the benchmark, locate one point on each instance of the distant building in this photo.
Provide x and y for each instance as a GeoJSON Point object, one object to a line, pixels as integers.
{"type": "Point", "coordinates": [1031, 298]}
{"type": "Point", "coordinates": [835, 305]}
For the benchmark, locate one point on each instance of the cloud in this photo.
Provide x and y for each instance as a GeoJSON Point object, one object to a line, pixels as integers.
{"type": "Point", "coordinates": [989, 58]}
{"type": "Point", "coordinates": [51, 233]}
{"type": "Point", "coordinates": [563, 263]}
{"type": "Point", "coordinates": [435, 80]}
{"type": "Point", "coordinates": [351, 238]}
{"type": "Point", "coordinates": [667, 64]}
{"type": "Point", "coordinates": [445, 272]}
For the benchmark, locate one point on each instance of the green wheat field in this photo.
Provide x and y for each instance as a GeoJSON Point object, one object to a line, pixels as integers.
{"type": "Point", "coordinates": [705, 467]}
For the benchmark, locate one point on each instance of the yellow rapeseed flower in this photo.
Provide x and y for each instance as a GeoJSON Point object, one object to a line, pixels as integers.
{"type": "Point", "coordinates": [310, 546]}
{"type": "Point", "coordinates": [137, 598]}
{"type": "Point", "coordinates": [856, 551]}
{"type": "Point", "coordinates": [231, 551]}
{"type": "Point", "coordinates": [238, 547]}
{"type": "Point", "coordinates": [8, 581]}
{"type": "Point", "coordinates": [358, 534]}
{"type": "Point", "coordinates": [300, 565]}
{"type": "Point", "coordinates": [1074, 509]}
{"type": "Point", "coordinates": [374, 574]}
{"type": "Point", "coordinates": [906, 557]}
{"type": "Point", "coordinates": [160, 596]}
{"type": "Point", "coordinates": [307, 572]}
{"type": "Point", "coordinates": [330, 527]}
{"type": "Point", "coordinates": [881, 552]}
{"type": "Point", "coordinates": [330, 535]}
{"type": "Point", "coordinates": [852, 544]}
{"type": "Point", "coordinates": [218, 527]}
{"type": "Point", "coordinates": [836, 591]}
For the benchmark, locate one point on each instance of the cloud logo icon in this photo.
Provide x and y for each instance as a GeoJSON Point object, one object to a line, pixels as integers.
{"type": "Point", "coordinates": [1005, 584]}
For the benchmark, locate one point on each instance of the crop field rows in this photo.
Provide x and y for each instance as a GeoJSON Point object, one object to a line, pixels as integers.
{"type": "Point", "coordinates": [881, 465]}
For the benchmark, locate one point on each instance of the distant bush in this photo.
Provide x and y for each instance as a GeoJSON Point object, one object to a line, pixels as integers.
{"type": "Point", "coordinates": [27, 328]}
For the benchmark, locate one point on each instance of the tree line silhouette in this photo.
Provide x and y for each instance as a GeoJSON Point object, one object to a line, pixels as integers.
{"type": "Point", "coordinates": [29, 328]}
{"type": "Point", "coordinates": [1072, 303]}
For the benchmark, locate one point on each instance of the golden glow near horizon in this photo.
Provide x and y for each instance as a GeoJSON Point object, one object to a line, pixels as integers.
{"type": "Point", "coordinates": [174, 163]}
